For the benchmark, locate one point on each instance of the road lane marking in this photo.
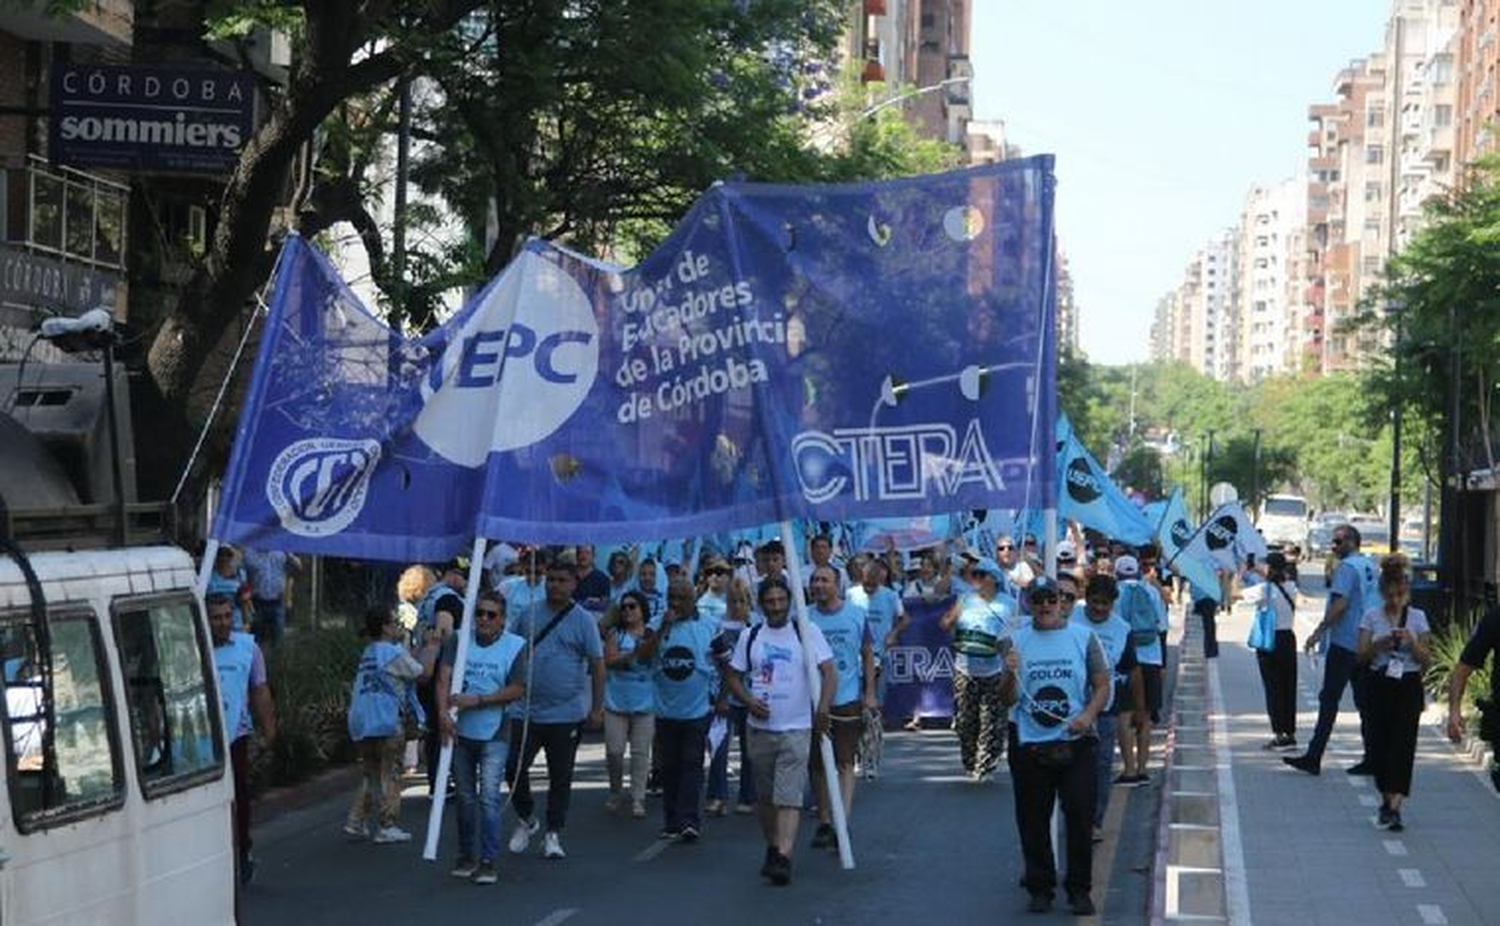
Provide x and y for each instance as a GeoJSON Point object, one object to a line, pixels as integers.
{"type": "Point", "coordinates": [557, 916]}
{"type": "Point", "coordinates": [1231, 850]}
{"type": "Point", "coordinates": [1432, 914]}
{"type": "Point", "coordinates": [653, 850]}
{"type": "Point", "coordinates": [1394, 847]}
{"type": "Point", "coordinates": [1411, 877]}
{"type": "Point", "coordinates": [1369, 800]}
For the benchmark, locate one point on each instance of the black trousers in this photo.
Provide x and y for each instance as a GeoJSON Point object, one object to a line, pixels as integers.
{"type": "Point", "coordinates": [1037, 789]}
{"type": "Point", "coordinates": [1395, 714]}
{"type": "Point", "coordinates": [560, 742]}
{"type": "Point", "coordinates": [1340, 668]}
{"type": "Point", "coordinates": [682, 747]}
{"type": "Point", "coordinates": [1208, 610]}
{"type": "Point", "coordinates": [1278, 675]}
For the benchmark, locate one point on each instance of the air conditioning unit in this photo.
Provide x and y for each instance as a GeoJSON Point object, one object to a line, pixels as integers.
{"type": "Point", "coordinates": [62, 405]}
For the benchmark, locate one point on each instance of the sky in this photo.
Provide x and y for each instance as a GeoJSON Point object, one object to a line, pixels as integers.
{"type": "Point", "coordinates": [1161, 114]}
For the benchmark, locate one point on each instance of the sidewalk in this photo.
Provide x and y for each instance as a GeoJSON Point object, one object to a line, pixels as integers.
{"type": "Point", "coordinates": [1306, 847]}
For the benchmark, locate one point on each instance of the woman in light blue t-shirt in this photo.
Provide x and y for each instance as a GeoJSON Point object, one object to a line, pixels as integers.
{"type": "Point", "coordinates": [1393, 643]}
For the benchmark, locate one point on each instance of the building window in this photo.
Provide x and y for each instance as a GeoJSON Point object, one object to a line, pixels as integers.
{"type": "Point", "coordinates": [1375, 117]}
{"type": "Point", "coordinates": [178, 740]}
{"type": "Point", "coordinates": [1372, 226]}
{"type": "Point", "coordinates": [1372, 192]}
{"type": "Point", "coordinates": [76, 771]}
{"type": "Point", "coordinates": [1374, 154]}
{"type": "Point", "coordinates": [1442, 115]}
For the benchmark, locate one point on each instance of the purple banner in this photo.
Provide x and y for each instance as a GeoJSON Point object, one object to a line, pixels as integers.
{"type": "Point", "coordinates": [919, 670]}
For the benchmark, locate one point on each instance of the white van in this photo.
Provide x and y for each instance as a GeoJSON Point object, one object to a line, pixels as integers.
{"type": "Point", "coordinates": [122, 813]}
{"type": "Point", "coordinates": [1283, 519]}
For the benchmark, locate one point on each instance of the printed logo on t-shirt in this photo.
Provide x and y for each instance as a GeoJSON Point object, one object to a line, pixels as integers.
{"type": "Point", "coordinates": [1050, 705]}
{"type": "Point", "coordinates": [677, 663]}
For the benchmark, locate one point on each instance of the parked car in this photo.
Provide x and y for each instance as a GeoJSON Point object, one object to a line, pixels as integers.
{"type": "Point", "coordinates": [1283, 519]}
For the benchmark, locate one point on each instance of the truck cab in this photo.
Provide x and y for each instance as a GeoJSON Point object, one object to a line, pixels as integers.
{"type": "Point", "coordinates": [1283, 520]}
{"type": "Point", "coordinates": [116, 804]}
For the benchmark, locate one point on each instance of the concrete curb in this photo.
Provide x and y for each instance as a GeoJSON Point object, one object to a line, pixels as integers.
{"type": "Point", "coordinates": [268, 805]}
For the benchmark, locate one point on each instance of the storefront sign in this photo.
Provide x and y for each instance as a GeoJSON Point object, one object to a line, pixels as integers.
{"type": "Point", "coordinates": [150, 119]}
{"type": "Point", "coordinates": [33, 281]}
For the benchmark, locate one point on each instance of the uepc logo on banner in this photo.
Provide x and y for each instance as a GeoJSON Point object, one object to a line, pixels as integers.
{"type": "Point", "coordinates": [539, 325]}
{"type": "Point", "coordinates": [317, 487]}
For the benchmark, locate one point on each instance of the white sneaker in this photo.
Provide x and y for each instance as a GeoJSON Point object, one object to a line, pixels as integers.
{"type": "Point", "coordinates": [552, 846]}
{"type": "Point", "coordinates": [356, 833]}
{"type": "Point", "coordinates": [389, 834]}
{"type": "Point", "coordinates": [520, 837]}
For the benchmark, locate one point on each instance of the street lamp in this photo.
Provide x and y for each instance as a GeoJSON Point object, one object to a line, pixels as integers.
{"type": "Point", "coordinates": [911, 93]}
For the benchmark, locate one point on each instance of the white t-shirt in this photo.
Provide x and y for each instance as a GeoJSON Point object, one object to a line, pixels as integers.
{"type": "Point", "coordinates": [775, 674]}
{"type": "Point", "coordinates": [1379, 625]}
{"type": "Point", "coordinates": [1281, 604]}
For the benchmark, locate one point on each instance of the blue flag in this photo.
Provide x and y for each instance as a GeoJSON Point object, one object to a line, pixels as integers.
{"type": "Point", "coordinates": [1175, 533]}
{"type": "Point", "coordinates": [1090, 497]}
{"type": "Point", "coordinates": [827, 352]}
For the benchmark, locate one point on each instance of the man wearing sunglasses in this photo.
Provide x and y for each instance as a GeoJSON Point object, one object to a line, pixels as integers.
{"type": "Point", "coordinates": [1354, 590]}
{"type": "Point", "coordinates": [1058, 679]}
{"type": "Point", "coordinates": [475, 721]}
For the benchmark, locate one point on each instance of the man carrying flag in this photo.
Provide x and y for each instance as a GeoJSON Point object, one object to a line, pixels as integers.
{"type": "Point", "coordinates": [768, 675]}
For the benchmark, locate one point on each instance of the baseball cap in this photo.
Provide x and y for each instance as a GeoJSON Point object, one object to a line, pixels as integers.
{"type": "Point", "coordinates": [1127, 567]}
{"type": "Point", "coordinates": [1042, 585]}
{"type": "Point", "coordinates": [987, 565]}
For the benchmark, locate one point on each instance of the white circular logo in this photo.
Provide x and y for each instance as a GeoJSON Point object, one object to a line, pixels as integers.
{"type": "Point", "coordinates": [539, 325]}
{"type": "Point", "coordinates": [317, 486]}
{"type": "Point", "coordinates": [963, 223]}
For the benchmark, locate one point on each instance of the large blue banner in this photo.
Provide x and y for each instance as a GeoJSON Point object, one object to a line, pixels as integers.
{"type": "Point", "coordinates": [827, 352]}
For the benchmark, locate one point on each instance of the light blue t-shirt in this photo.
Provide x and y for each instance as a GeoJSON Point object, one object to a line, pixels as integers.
{"type": "Point", "coordinates": [882, 608]}
{"type": "Point", "coordinates": [1356, 581]}
{"type": "Point", "coordinates": [1054, 679]}
{"type": "Point", "coordinates": [846, 633]}
{"type": "Point", "coordinates": [683, 670]}
{"type": "Point", "coordinates": [521, 595]}
{"type": "Point", "coordinates": [628, 689]}
{"type": "Point", "coordinates": [1114, 635]}
{"type": "Point", "coordinates": [977, 634]}
{"type": "Point", "coordinates": [560, 687]}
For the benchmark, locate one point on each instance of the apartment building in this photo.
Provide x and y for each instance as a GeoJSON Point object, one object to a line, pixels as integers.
{"type": "Point", "coordinates": [1477, 96]}
{"type": "Point", "coordinates": [915, 44]}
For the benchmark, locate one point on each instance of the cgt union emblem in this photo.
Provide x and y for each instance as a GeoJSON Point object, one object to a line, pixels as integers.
{"type": "Point", "coordinates": [317, 487]}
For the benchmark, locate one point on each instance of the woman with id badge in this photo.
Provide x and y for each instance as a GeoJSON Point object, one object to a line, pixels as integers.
{"type": "Point", "coordinates": [1393, 642]}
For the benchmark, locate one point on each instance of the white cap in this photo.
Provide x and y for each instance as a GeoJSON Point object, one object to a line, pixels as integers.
{"type": "Point", "coordinates": [1127, 567]}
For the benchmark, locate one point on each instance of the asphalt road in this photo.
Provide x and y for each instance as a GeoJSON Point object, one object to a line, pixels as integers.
{"type": "Point", "coordinates": [930, 846]}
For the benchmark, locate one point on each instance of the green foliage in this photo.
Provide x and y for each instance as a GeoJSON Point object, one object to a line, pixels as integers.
{"type": "Point", "coordinates": [310, 674]}
{"type": "Point", "coordinates": [1446, 287]}
{"type": "Point", "coordinates": [1141, 469]}
{"type": "Point", "coordinates": [1446, 645]}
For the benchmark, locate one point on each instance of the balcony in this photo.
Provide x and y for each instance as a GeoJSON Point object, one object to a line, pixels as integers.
{"type": "Point", "coordinates": [99, 22]}
{"type": "Point", "coordinates": [65, 213]}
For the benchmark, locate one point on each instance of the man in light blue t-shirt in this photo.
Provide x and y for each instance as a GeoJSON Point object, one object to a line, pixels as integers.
{"type": "Point", "coordinates": [567, 691]}
{"type": "Point", "coordinates": [1351, 594]}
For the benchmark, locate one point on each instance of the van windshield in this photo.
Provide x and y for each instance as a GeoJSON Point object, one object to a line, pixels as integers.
{"type": "Point", "coordinates": [1286, 507]}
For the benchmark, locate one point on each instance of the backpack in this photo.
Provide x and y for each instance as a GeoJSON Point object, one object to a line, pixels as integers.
{"type": "Point", "coordinates": [1139, 613]}
{"type": "Point", "coordinates": [755, 631]}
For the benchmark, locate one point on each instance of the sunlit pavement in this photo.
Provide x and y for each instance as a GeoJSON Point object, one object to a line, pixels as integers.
{"type": "Point", "coordinates": [1308, 848]}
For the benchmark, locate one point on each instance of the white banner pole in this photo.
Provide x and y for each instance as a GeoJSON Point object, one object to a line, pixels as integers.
{"type": "Point", "coordinates": [814, 684]}
{"type": "Point", "coordinates": [205, 569]}
{"type": "Point", "coordinates": [460, 659]}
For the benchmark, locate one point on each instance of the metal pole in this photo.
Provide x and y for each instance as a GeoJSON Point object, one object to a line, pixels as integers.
{"type": "Point", "coordinates": [122, 531]}
{"type": "Point", "coordinates": [1255, 472]}
{"type": "Point", "coordinates": [398, 229]}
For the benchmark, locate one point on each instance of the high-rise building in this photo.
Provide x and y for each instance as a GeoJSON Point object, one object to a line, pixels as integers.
{"type": "Point", "coordinates": [943, 29]}
{"type": "Point", "coordinates": [1195, 323]}
{"type": "Point", "coordinates": [1268, 251]}
{"type": "Point", "coordinates": [1477, 101]}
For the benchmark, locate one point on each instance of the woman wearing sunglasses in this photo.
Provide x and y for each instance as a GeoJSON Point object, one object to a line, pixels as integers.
{"type": "Point", "coordinates": [629, 704]}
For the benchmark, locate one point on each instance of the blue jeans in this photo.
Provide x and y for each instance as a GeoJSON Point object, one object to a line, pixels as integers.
{"type": "Point", "coordinates": [1104, 774]}
{"type": "Point", "coordinates": [718, 769]}
{"type": "Point", "coordinates": [486, 759]}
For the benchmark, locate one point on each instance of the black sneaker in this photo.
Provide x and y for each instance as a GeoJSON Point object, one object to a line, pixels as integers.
{"type": "Point", "coordinates": [688, 833]}
{"type": "Point", "coordinates": [1039, 903]}
{"type": "Point", "coordinates": [1303, 764]}
{"type": "Point", "coordinates": [781, 871]}
{"type": "Point", "coordinates": [247, 868]}
{"type": "Point", "coordinates": [1383, 818]}
{"type": "Point", "coordinates": [1362, 767]}
{"type": "Point", "coordinates": [823, 836]}
{"type": "Point", "coordinates": [668, 833]}
{"type": "Point", "coordinates": [1080, 904]}
{"type": "Point", "coordinates": [1396, 824]}
{"type": "Point", "coordinates": [1285, 742]}
{"type": "Point", "coordinates": [768, 867]}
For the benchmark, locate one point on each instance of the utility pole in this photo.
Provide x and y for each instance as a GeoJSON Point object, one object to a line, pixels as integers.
{"type": "Point", "coordinates": [1255, 472]}
{"type": "Point", "coordinates": [398, 229]}
{"type": "Point", "coordinates": [1393, 149]}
